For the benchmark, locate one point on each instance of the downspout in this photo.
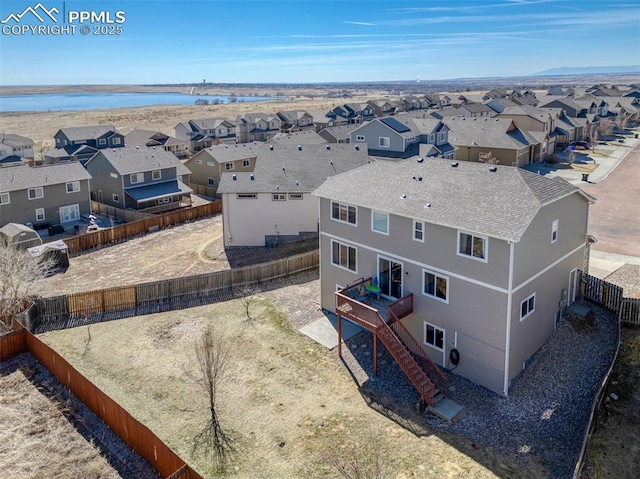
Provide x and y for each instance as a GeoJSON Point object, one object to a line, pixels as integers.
{"type": "Point", "coordinates": [508, 328]}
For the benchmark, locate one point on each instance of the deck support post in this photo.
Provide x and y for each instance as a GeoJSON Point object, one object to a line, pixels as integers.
{"type": "Point", "coordinates": [339, 335]}
{"type": "Point", "coordinates": [375, 352]}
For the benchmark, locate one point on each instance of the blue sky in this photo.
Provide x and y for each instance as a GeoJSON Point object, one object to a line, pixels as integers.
{"type": "Point", "coordinates": [239, 41]}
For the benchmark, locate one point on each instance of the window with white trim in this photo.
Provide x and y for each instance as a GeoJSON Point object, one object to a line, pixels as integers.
{"type": "Point", "coordinates": [528, 306]}
{"type": "Point", "coordinates": [380, 222]}
{"type": "Point", "coordinates": [136, 178]}
{"type": "Point", "coordinates": [35, 193]}
{"type": "Point", "coordinates": [73, 187]}
{"type": "Point", "coordinates": [40, 214]}
{"type": "Point", "coordinates": [442, 136]}
{"type": "Point", "coordinates": [432, 138]}
{"type": "Point", "coordinates": [211, 181]}
{"type": "Point", "coordinates": [554, 231]}
{"type": "Point", "coordinates": [360, 138]}
{"type": "Point", "coordinates": [229, 166]}
{"type": "Point", "coordinates": [472, 245]}
{"type": "Point", "coordinates": [278, 197]}
{"type": "Point", "coordinates": [384, 142]}
{"type": "Point", "coordinates": [113, 175]}
{"type": "Point", "coordinates": [435, 285]}
{"type": "Point", "coordinates": [247, 196]}
{"type": "Point", "coordinates": [156, 175]}
{"type": "Point", "coordinates": [5, 198]}
{"type": "Point", "coordinates": [246, 163]}
{"type": "Point", "coordinates": [343, 255]}
{"type": "Point", "coordinates": [102, 141]}
{"type": "Point", "coordinates": [418, 231]}
{"type": "Point", "coordinates": [295, 196]}
{"type": "Point", "coordinates": [115, 198]}
{"type": "Point", "coordinates": [434, 336]}
{"type": "Point", "coordinates": [116, 141]}
{"type": "Point", "coordinates": [344, 213]}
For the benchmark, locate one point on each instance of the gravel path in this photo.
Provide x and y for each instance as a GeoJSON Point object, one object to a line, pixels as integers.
{"type": "Point", "coordinates": [546, 415]}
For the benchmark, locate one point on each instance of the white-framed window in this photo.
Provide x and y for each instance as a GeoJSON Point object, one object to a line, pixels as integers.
{"type": "Point", "coordinates": [40, 214]}
{"type": "Point", "coordinates": [113, 175]}
{"type": "Point", "coordinates": [343, 255]}
{"type": "Point", "coordinates": [380, 222]}
{"type": "Point", "coordinates": [115, 198]}
{"type": "Point", "coordinates": [435, 285]}
{"type": "Point", "coordinates": [229, 166]}
{"type": "Point", "coordinates": [211, 181]}
{"type": "Point", "coordinates": [418, 231]}
{"type": "Point", "coordinates": [344, 213]}
{"type": "Point", "coordinates": [434, 336]}
{"type": "Point", "coordinates": [432, 138]}
{"type": "Point", "coordinates": [554, 231]}
{"type": "Point", "coordinates": [295, 196]}
{"type": "Point", "coordinates": [247, 196]}
{"type": "Point", "coordinates": [246, 163]}
{"type": "Point", "coordinates": [384, 142]}
{"type": "Point", "coordinates": [442, 136]}
{"type": "Point", "coordinates": [528, 306]}
{"type": "Point", "coordinates": [102, 141]}
{"type": "Point", "coordinates": [5, 198]}
{"type": "Point", "coordinates": [35, 193]}
{"type": "Point", "coordinates": [156, 175]}
{"type": "Point", "coordinates": [360, 138]}
{"type": "Point", "coordinates": [116, 141]}
{"type": "Point", "coordinates": [73, 187]}
{"type": "Point", "coordinates": [136, 178]}
{"type": "Point", "coordinates": [472, 245]}
{"type": "Point", "coordinates": [209, 163]}
{"type": "Point", "coordinates": [278, 197]}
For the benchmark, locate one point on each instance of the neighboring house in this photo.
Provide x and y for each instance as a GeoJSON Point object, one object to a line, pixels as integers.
{"type": "Point", "coordinates": [399, 136]}
{"type": "Point", "coordinates": [509, 144]}
{"type": "Point", "coordinates": [273, 204]}
{"type": "Point", "coordinates": [532, 119]}
{"type": "Point", "coordinates": [484, 258]}
{"type": "Point", "coordinates": [570, 107]}
{"type": "Point", "coordinates": [82, 142]}
{"type": "Point", "coordinates": [383, 107]}
{"type": "Point", "coordinates": [499, 104]}
{"type": "Point", "coordinates": [337, 134]}
{"type": "Point", "coordinates": [40, 195]}
{"type": "Point", "coordinates": [351, 113]}
{"type": "Point", "coordinates": [298, 137]}
{"type": "Point", "coordinates": [148, 138]}
{"type": "Point", "coordinates": [257, 127]}
{"type": "Point", "coordinates": [143, 179]}
{"type": "Point", "coordinates": [15, 149]}
{"type": "Point", "coordinates": [321, 119]}
{"type": "Point", "coordinates": [295, 120]}
{"type": "Point", "coordinates": [207, 165]}
{"type": "Point", "coordinates": [471, 110]}
{"type": "Point", "coordinates": [206, 132]}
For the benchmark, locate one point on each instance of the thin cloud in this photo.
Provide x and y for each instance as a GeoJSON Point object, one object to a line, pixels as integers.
{"type": "Point", "coordinates": [366, 24]}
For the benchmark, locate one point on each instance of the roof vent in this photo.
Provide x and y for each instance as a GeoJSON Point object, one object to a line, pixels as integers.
{"type": "Point", "coordinates": [234, 177]}
{"type": "Point", "coordinates": [277, 187]}
{"type": "Point", "coordinates": [428, 205]}
{"type": "Point", "coordinates": [271, 147]}
{"type": "Point", "coordinates": [252, 177]}
{"type": "Point", "coordinates": [328, 147]}
{"type": "Point", "coordinates": [299, 147]}
{"type": "Point", "coordinates": [455, 165]}
{"type": "Point", "coordinates": [419, 178]}
{"type": "Point", "coordinates": [403, 196]}
{"type": "Point", "coordinates": [358, 147]}
{"type": "Point", "coordinates": [420, 160]}
{"type": "Point", "coordinates": [296, 183]}
{"type": "Point", "coordinates": [493, 169]}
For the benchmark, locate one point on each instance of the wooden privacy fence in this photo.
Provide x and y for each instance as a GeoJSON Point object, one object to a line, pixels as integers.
{"type": "Point", "coordinates": [203, 189]}
{"type": "Point", "coordinates": [139, 227]}
{"type": "Point", "coordinates": [630, 311]}
{"type": "Point", "coordinates": [76, 309]}
{"type": "Point", "coordinates": [602, 293]}
{"type": "Point", "coordinates": [139, 437]}
{"type": "Point", "coordinates": [118, 213]}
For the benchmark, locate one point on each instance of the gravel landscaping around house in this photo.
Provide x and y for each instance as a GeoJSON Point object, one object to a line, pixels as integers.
{"type": "Point", "coordinates": [545, 418]}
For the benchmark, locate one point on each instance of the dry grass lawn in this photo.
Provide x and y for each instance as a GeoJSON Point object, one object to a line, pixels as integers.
{"type": "Point", "coordinates": [286, 400]}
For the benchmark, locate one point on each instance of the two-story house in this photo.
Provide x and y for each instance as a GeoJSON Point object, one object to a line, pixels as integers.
{"type": "Point", "coordinates": [351, 113]}
{"type": "Point", "coordinates": [295, 120]}
{"type": "Point", "coordinates": [44, 195]}
{"type": "Point", "coordinates": [481, 258]}
{"type": "Point", "coordinates": [383, 107]}
{"type": "Point", "coordinates": [207, 165]}
{"type": "Point", "coordinates": [532, 119]}
{"type": "Point", "coordinates": [148, 138]}
{"type": "Point", "coordinates": [400, 136]}
{"type": "Point", "coordinates": [207, 132]}
{"type": "Point", "coordinates": [15, 149]}
{"type": "Point", "coordinates": [138, 178]}
{"type": "Point", "coordinates": [256, 127]}
{"type": "Point", "coordinates": [79, 143]}
{"type": "Point", "coordinates": [273, 203]}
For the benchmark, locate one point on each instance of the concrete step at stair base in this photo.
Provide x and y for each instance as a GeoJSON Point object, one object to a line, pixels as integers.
{"type": "Point", "coordinates": [445, 409]}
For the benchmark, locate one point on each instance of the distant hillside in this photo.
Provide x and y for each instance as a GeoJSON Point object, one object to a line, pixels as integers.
{"type": "Point", "coordinates": [591, 70]}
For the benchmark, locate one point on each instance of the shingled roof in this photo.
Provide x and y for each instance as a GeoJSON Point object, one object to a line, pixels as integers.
{"type": "Point", "coordinates": [16, 178]}
{"type": "Point", "coordinates": [77, 133]}
{"type": "Point", "coordinates": [138, 160]}
{"type": "Point", "coordinates": [288, 168]}
{"type": "Point", "coordinates": [497, 201]}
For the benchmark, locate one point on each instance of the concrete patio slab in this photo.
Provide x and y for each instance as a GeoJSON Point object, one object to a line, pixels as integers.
{"type": "Point", "coordinates": [325, 330]}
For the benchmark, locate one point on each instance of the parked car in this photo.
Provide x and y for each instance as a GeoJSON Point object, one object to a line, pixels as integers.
{"type": "Point", "coordinates": [580, 145]}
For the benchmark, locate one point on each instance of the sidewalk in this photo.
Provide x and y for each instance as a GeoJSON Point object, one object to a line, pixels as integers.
{"type": "Point", "coordinates": [606, 158]}
{"type": "Point", "coordinates": [602, 264]}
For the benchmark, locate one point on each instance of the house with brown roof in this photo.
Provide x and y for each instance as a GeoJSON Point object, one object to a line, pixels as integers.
{"type": "Point", "coordinates": [148, 138]}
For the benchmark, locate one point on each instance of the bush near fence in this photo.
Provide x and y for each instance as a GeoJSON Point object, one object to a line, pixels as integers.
{"type": "Point", "coordinates": [139, 437]}
{"type": "Point", "coordinates": [76, 309]}
{"type": "Point", "coordinates": [139, 227]}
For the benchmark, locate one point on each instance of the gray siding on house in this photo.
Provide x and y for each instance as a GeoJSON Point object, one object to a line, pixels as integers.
{"type": "Point", "coordinates": [372, 131]}
{"type": "Point", "coordinates": [103, 185]}
{"type": "Point", "coordinates": [165, 175]}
